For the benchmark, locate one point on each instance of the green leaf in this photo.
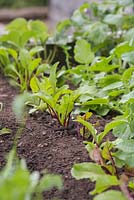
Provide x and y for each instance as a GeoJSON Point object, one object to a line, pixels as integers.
{"type": "Point", "coordinates": [113, 19]}
{"type": "Point", "coordinates": [125, 157]}
{"type": "Point", "coordinates": [97, 32]}
{"type": "Point", "coordinates": [96, 101]}
{"type": "Point", "coordinates": [88, 125]}
{"type": "Point", "coordinates": [127, 74]}
{"type": "Point", "coordinates": [110, 195]}
{"type": "Point", "coordinates": [34, 84]}
{"type": "Point", "coordinates": [43, 68]}
{"type": "Point", "coordinates": [36, 50]}
{"type": "Point", "coordinates": [25, 58]}
{"type": "Point", "coordinates": [126, 145]}
{"type": "Point", "coordinates": [79, 17]}
{"type": "Point", "coordinates": [33, 65]}
{"type": "Point", "coordinates": [17, 24]}
{"type": "Point", "coordinates": [122, 48]}
{"type": "Point", "coordinates": [113, 86]}
{"type": "Point", "coordinates": [127, 97]}
{"type": "Point", "coordinates": [104, 183]}
{"type": "Point", "coordinates": [128, 57]}
{"type": "Point", "coordinates": [99, 67]}
{"type": "Point", "coordinates": [18, 105]}
{"type": "Point", "coordinates": [4, 58]}
{"type": "Point", "coordinates": [122, 131]}
{"type": "Point", "coordinates": [4, 131]}
{"type": "Point", "coordinates": [49, 181]}
{"type": "Point", "coordinates": [52, 77]}
{"type": "Point", "coordinates": [83, 53]}
{"type": "Point", "coordinates": [13, 53]}
{"type": "Point", "coordinates": [87, 170]}
{"type": "Point", "coordinates": [109, 79]}
{"type": "Point", "coordinates": [113, 124]}
{"type": "Point", "coordinates": [38, 30]}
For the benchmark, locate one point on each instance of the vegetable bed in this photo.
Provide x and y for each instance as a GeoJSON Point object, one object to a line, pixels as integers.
{"type": "Point", "coordinates": [67, 106]}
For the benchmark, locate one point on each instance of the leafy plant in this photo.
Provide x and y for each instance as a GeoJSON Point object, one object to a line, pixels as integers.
{"type": "Point", "coordinates": [16, 182]}
{"type": "Point", "coordinates": [59, 101]}
{"type": "Point", "coordinates": [22, 66]}
{"type": "Point", "coordinates": [35, 30]}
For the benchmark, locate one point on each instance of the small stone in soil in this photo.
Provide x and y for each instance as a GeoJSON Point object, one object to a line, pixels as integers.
{"type": "Point", "coordinates": [40, 145]}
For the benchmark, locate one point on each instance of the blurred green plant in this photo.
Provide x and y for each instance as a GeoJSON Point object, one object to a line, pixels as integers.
{"type": "Point", "coordinates": [22, 3]}
{"type": "Point", "coordinates": [16, 182]}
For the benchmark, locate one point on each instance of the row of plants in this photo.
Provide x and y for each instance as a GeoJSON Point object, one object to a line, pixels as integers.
{"type": "Point", "coordinates": [97, 77]}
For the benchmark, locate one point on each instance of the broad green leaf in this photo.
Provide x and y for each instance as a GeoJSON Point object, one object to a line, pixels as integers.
{"type": "Point", "coordinates": [127, 97]}
{"type": "Point", "coordinates": [49, 181]}
{"type": "Point", "coordinates": [96, 101]}
{"type": "Point", "coordinates": [63, 25]}
{"type": "Point", "coordinates": [127, 74]}
{"type": "Point", "coordinates": [113, 19]}
{"type": "Point", "coordinates": [104, 183]}
{"type": "Point", "coordinates": [98, 67]}
{"type": "Point", "coordinates": [110, 195]}
{"type": "Point", "coordinates": [11, 71]}
{"type": "Point", "coordinates": [128, 57]}
{"type": "Point", "coordinates": [116, 92]}
{"type": "Point", "coordinates": [126, 146]}
{"type": "Point", "coordinates": [113, 86]}
{"type": "Point", "coordinates": [122, 131]}
{"type": "Point", "coordinates": [122, 48]}
{"type": "Point", "coordinates": [126, 158]}
{"type": "Point", "coordinates": [113, 124]}
{"type": "Point", "coordinates": [83, 53]}
{"type": "Point", "coordinates": [97, 32]}
{"type": "Point", "coordinates": [43, 68]}
{"type": "Point", "coordinates": [38, 30]}
{"type": "Point", "coordinates": [25, 58]}
{"type": "Point", "coordinates": [34, 84]}
{"type": "Point", "coordinates": [87, 170]}
{"type": "Point", "coordinates": [17, 24]}
{"type": "Point", "coordinates": [109, 79]}
{"type": "Point", "coordinates": [33, 65]}
{"type": "Point", "coordinates": [24, 37]}
{"type": "Point", "coordinates": [36, 50]}
{"type": "Point", "coordinates": [13, 53]}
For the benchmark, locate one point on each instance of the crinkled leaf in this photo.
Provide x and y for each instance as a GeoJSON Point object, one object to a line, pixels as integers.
{"type": "Point", "coordinates": [83, 53]}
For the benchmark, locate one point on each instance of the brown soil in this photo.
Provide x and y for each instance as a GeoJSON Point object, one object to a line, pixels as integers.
{"type": "Point", "coordinates": [45, 148]}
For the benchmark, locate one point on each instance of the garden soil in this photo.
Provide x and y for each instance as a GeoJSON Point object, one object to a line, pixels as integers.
{"type": "Point", "coordinates": [46, 147]}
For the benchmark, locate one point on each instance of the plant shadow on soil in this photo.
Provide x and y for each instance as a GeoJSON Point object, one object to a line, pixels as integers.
{"type": "Point", "coordinates": [44, 148]}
